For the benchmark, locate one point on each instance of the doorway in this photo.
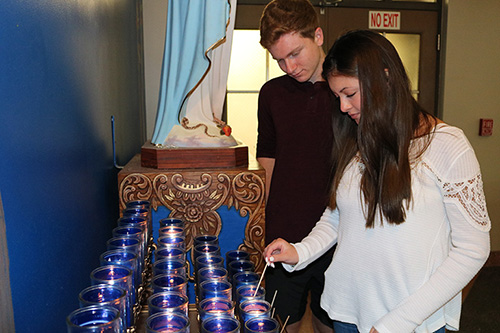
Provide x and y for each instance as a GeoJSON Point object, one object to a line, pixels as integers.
{"type": "Point", "coordinates": [416, 41]}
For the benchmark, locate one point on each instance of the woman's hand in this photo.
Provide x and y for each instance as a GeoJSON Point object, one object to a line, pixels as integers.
{"type": "Point", "coordinates": [373, 330]}
{"type": "Point", "coordinates": [281, 251]}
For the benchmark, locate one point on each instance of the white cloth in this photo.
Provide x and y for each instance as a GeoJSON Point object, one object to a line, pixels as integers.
{"type": "Point", "coordinates": [407, 277]}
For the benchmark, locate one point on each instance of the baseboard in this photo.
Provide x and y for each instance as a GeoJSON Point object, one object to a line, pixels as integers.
{"type": "Point", "coordinates": [493, 260]}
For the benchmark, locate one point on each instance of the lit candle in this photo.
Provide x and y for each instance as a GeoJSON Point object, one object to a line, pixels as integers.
{"type": "Point", "coordinates": [262, 325]}
{"type": "Point", "coordinates": [167, 323]}
{"type": "Point", "coordinates": [245, 277]}
{"type": "Point", "coordinates": [206, 250]}
{"type": "Point", "coordinates": [171, 230]}
{"type": "Point", "coordinates": [123, 258]}
{"type": "Point", "coordinates": [212, 273]}
{"type": "Point", "coordinates": [171, 221]}
{"type": "Point", "coordinates": [237, 266]}
{"type": "Point", "coordinates": [119, 276]}
{"type": "Point", "coordinates": [253, 308]}
{"type": "Point", "coordinates": [105, 295]}
{"type": "Point", "coordinates": [209, 261]}
{"type": "Point", "coordinates": [171, 253]}
{"type": "Point", "coordinates": [168, 302]}
{"type": "Point", "coordinates": [169, 282]}
{"type": "Point", "coordinates": [220, 324]}
{"type": "Point", "coordinates": [96, 318]}
{"type": "Point", "coordinates": [176, 241]}
{"type": "Point", "coordinates": [249, 292]}
{"type": "Point", "coordinates": [236, 255]}
{"type": "Point", "coordinates": [211, 289]}
{"type": "Point", "coordinates": [167, 266]}
{"type": "Point", "coordinates": [211, 307]}
{"type": "Point", "coordinates": [205, 239]}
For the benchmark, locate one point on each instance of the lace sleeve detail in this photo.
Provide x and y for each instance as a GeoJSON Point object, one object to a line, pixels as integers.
{"type": "Point", "coordinates": [470, 197]}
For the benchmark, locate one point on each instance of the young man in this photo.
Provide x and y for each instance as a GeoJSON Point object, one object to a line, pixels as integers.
{"type": "Point", "coordinates": [294, 147]}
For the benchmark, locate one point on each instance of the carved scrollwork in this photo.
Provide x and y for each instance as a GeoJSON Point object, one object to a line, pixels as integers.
{"type": "Point", "coordinates": [195, 199]}
{"type": "Point", "coordinates": [161, 185]}
{"type": "Point", "coordinates": [195, 202]}
{"type": "Point", "coordinates": [135, 186]}
{"type": "Point", "coordinates": [190, 191]}
{"type": "Point", "coordinates": [248, 190]}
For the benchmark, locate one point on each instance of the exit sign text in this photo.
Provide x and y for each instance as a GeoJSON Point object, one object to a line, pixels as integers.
{"type": "Point", "coordinates": [384, 20]}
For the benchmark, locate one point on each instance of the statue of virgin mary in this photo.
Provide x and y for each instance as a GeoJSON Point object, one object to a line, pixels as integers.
{"type": "Point", "coordinates": [194, 75]}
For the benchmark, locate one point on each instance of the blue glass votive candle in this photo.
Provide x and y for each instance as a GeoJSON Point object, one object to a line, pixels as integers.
{"type": "Point", "coordinates": [134, 221]}
{"type": "Point", "coordinates": [168, 302]}
{"type": "Point", "coordinates": [262, 325]}
{"type": "Point", "coordinates": [166, 322]}
{"type": "Point", "coordinates": [247, 291]}
{"type": "Point", "coordinates": [245, 277]}
{"type": "Point", "coordinates": [237, 266]}
{"type": "Point", "coordinates": [236, 255]}
{"type": "Point", "coordinates": [169, 283]}
{"type": "Point", "coordinates": [167, 266]}
{"type": "Point", "coordinates": [132, 244]}
{"type": "Point", "coordinates": [171, 231]}
{"type": "Point", "coordinates": [125, 258]}
{"type": "Point", "coordinates": [127, 231]}
{"type": "Point", "coordinates": [95, 319]}
{"type": "Point", "coordinates": [140, 203]}
{"type": "Point", "coordinates": [205, 239]}
{"type": "Point", "coordinates": [118, 276]}
{"type": "Point", "coordinates": [209, 261]}
{"type": "Point", "coordinates": [211, 273]}
{"type": "Point", "coordinates": [177, 241]}
{"type": "Point", "coordinates": [211, 289]}
{"type": "Point", "coordinates": [137, 221]}
{"type": "Point", "coordinates": [133, 231]}
{"type": "Point", "coordinates": [220, 324]}
{"type": "Point", "coordinates": [105, 295]}
{"type": "Point", "coordinates": [170, 253]}
{"type": "Point", "coordinates": [206, 250]}
{"type": "Point", "coordinates": [213, 307]}
{"type": "Point", "coordinates": [171, 221]}
{"type": "Point", "coordinates": [253, 308]}
{"type": "Point", "coordinates": [114, 275]}
{"type": "Point", "coordinates": [137, 211]}
{"type": "Point", "coordinates": [140, 212]}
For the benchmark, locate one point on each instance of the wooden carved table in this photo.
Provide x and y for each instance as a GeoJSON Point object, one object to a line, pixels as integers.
{"type": "Point", "coordinates": [194, 195]}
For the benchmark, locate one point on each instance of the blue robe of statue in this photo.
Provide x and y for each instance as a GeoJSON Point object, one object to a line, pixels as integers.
{"type": "Point", "coordinates": [194, 27]}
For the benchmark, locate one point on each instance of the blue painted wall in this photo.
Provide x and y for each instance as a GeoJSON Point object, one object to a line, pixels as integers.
{"type": "Point", "coordinates": [66, 66]}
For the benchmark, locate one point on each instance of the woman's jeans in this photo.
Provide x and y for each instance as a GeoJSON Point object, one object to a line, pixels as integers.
{"type": "Point", "coordinates": [340, 327]}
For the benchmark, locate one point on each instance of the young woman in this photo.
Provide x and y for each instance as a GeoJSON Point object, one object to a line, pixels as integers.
{"type": "Point", "coordinates": [407, 209]}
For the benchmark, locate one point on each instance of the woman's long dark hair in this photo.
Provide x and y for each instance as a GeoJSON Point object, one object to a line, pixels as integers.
{"type": "Point", "coordinates": [390, 119]}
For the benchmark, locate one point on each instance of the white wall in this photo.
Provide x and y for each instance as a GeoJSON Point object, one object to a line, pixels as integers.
{"type": "Point", "coordinates": [471, 88]}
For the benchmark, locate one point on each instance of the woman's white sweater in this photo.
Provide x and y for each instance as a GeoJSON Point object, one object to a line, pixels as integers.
{"type": "Point", "coordinates": [407, 277]}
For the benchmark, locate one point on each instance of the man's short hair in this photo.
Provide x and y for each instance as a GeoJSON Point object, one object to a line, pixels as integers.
{"type": "Point", "coordinates": [287, 16]}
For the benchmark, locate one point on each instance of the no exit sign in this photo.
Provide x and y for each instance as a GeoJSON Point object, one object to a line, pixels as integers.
{"type": "Point", "coordinates": [384, 20]}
